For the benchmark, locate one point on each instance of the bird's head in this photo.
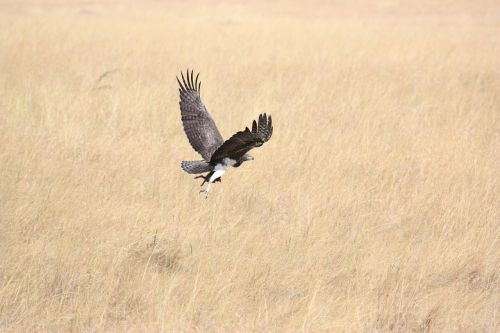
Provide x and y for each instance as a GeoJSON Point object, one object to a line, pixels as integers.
{"type": "Point", "coordinates": [244, 158]}
{"type": "Point", "coordinates": [247, 157]}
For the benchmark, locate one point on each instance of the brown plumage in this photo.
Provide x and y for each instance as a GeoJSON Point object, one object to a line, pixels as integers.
{"type": "Point", "coordinates": [240, 143]}
{"type": "Point", "coordinates": [203, 135]}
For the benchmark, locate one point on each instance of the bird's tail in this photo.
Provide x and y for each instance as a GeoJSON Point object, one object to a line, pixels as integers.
{"type": "Point", "coordinates": [196, 166]}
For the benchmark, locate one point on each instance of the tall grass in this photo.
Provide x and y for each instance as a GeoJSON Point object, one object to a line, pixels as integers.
{"type": "Point", "coordinates": [374, 207]}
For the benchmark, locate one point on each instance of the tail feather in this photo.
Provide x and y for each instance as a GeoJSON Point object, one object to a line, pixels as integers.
{"type": "Point", "coordinates": [196, 166]}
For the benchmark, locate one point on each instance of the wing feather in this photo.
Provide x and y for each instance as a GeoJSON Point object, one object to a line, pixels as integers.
{"type": "Point", "coordinates": [199, 126]}
{"type": "Point", "coordinates": [241, 142]}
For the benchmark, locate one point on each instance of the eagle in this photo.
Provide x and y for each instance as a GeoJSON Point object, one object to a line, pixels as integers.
{"type": "Point", "coordinates": [203, 135]}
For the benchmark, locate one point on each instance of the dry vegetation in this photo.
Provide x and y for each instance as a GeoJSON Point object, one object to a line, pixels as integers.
{"type": "Point", "coordinates": [374, 208]}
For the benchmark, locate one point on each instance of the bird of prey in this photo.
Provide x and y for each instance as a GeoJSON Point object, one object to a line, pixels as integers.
{"type": "Point", "coordinates": [218, 155]}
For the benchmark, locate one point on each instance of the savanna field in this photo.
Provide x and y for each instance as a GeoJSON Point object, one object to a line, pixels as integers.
{"type": "Point", "coordinates": [373, 208]}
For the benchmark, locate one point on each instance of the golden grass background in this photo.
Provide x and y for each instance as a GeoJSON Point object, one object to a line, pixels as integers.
{"type": "Point", "coordinates": [374, 207]}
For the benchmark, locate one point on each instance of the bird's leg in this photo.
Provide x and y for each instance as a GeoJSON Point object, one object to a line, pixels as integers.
{"type": "Point", "coordinates": [207, 189]}
{"type": "Point", "coordinates": [207, 178]}
{"type": "Point", "coordinates": [215, 176]}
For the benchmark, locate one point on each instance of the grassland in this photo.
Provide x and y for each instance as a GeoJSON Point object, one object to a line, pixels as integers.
{"type": "Point", "coordinates": [374, 207]}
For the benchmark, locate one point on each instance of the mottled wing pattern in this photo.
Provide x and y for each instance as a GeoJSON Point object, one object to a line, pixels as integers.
{"type": "Point", "coordinates": [200, 128]}
{"type": "Point", "coordinates": [240, 143]}
{"type": "Point", "coordinates": [264, 129]}
{"type": "Point", "coordinates": [196, 166]}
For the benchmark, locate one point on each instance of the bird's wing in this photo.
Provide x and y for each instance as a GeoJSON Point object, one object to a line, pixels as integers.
{"type": "Point", "coordinates": [200, 128]}
{"type": "Point", "coordinates": [240, 143]}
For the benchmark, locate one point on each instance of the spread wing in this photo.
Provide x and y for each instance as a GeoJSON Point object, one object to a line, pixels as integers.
{"type": "Point", "coordinates": [200, 128]}
{"type": "Point", "coordinates": [240, 143]}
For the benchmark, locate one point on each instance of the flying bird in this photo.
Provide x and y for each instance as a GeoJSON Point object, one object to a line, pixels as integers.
{"type": "Point", "coordinates": [203, 135]}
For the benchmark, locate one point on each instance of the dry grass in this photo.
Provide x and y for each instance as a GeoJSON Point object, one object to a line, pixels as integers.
{"type": "Point", "coordinates": [374, 208]}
